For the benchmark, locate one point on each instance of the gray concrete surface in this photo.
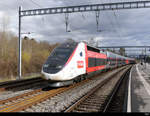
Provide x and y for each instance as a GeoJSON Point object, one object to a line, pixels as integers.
{"type": "Point", "coordinates": [140, 89]}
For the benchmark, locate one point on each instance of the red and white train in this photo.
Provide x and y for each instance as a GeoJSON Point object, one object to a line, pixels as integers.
{"type": "Point", "coordinates": [72, 62]}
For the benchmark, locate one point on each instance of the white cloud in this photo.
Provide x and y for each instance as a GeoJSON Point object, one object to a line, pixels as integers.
{"type": "Point", "coordinates": [124, 27]}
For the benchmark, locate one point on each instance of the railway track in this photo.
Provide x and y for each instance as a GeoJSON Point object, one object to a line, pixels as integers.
{"type": "Point", "coordinates": [101, 98]}
{"type": "Point", "coordinates": [27, 100]}
{"type": "Point", "coordinates": [21, 102]}
{"type": "Point", "coordinates": [21, 84]}
{"type": "Point", "coordinates": [117, 99]}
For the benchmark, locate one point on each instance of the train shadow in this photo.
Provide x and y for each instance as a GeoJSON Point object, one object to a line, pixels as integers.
{"type": "Point", "coordinates": [48, 88]}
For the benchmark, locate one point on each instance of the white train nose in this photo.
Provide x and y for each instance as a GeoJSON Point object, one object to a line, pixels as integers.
{"type": "Point", "coordinates": [55, 77]}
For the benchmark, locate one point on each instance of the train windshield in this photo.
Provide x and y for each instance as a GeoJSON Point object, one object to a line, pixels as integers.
{"type": "Point", "coordinates": [58, 57]}
{"type": "Point", "coordinates": [62, 53]}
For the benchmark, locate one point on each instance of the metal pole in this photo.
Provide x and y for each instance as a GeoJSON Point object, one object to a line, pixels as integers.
{"type": "Point", "coordinates": [97, 20]}
{"type": "Point", "coordinates": [20, 45]}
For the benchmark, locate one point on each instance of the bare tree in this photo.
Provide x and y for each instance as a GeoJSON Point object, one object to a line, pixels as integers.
{"type": "Point", "coordinates": [4, 34]}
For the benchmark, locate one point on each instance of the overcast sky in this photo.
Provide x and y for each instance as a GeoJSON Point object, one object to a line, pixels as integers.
{"type": "Point", "coordinates": [121, 27]}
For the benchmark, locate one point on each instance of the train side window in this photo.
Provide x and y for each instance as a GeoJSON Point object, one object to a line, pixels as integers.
{"type": "Point", "coordinates": [81, 54]}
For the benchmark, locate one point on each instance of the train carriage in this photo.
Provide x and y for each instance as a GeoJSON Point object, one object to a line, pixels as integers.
{"type": "Point", "coordinates": [111, 60]}
{"type": "Point", "coordinates": [96, 60]}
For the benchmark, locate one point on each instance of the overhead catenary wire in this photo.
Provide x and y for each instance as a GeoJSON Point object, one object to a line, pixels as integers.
{"type": "Point", "coordinates": [111, 23]}
{"type": "Point", "coordinates": [35, 3]}
{"type": "Point", "coordinates": [70, 25]}
{"type": "Point", "coordinates": [121, 30]}
{"type": "Point", "coordinates": [117, 21]}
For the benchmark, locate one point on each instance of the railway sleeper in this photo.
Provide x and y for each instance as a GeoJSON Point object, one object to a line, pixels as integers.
{"type": "Point", "coordinates": [85, 109]}
{"type": "Point", "coordinates": [95, 100]}
{"type": "Point", "coordinates": [93, 104]}
{"type": "Point", "coordinates": [90, 106]}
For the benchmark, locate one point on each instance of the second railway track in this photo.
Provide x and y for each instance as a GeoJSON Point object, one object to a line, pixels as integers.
{"type": "Point", "coordinates": [100, 99]}
{"type": "Point", "coordinates": [21, 84]}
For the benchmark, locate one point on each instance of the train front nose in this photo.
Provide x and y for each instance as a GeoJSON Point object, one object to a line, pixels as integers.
{"type": "Point", "coordinates": [56, 76]}
{"type": "Point", "coordinates": [50, 70]}
{"type": "Point", "coordinates": [57, 60]}
{"type": "Point", "coordinates": [53, 67]}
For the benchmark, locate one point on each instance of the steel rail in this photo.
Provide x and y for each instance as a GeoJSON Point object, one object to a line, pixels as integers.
{"type": "Point", "coordinates": [29, 101]}
{"type": "Point", "coordinates": [19, 96]}
{"type": "Point", "coordinates": [115, 90]}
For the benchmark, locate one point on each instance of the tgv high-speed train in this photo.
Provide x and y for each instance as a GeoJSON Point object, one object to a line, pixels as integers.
{"type": "Point", "coordinates": [71, 61]}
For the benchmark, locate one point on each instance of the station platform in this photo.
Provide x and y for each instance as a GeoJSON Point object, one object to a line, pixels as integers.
{"type": "Point", "coordinates": [139, 89]}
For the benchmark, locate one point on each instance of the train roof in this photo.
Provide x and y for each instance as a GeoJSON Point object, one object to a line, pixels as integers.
{"type": "Point", "coordinates": [108, 52]}
{"type": "Point", "coordinates": [72, 42]}
{"type": "Point", "coordinates": [118, 56]}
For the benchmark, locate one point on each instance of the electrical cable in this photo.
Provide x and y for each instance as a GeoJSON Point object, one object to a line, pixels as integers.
{"type": "Point", "coordinates": [36, 3]}
{"type": "Point", "coordinates": [111, 23]}
{"type": "Point", "coordinates": [117, 22]}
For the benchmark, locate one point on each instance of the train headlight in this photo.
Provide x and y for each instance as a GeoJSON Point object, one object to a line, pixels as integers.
{"type": "Point", "coordinates": [59, 67]}
{"type": "Point", "coordinates": [45, 65]}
